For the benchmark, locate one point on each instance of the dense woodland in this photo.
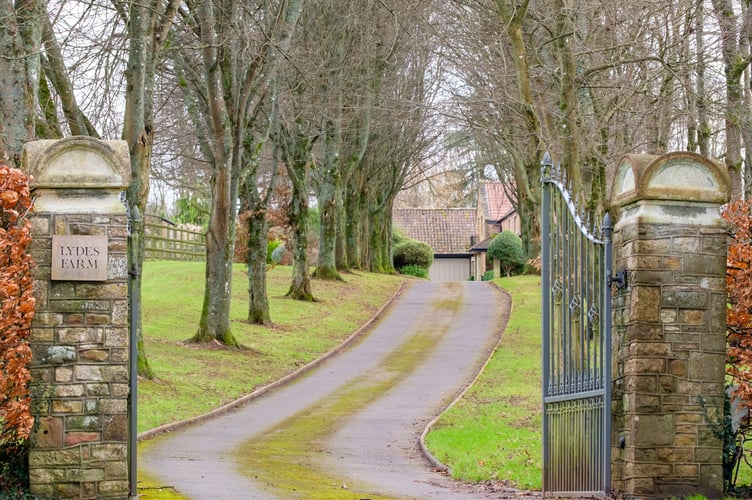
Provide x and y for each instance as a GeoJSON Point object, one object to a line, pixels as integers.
{"type": "Point", "coordinates": [227, 103]}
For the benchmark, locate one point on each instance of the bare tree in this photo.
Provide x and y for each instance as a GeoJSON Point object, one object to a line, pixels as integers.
{"type": "Point", "coordinates": [149, 24]}
{"type": "Point", "coordinates": [735, 47]}
{"type": "Point", "coordinates": [226, 60]}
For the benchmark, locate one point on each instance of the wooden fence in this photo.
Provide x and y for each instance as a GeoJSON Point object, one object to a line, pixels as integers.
{"type": "Point", "coordinates": [165, 241]}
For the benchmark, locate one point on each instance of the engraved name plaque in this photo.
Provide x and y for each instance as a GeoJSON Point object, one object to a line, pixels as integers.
{"type": "Point", "coordinates": [79, 258]}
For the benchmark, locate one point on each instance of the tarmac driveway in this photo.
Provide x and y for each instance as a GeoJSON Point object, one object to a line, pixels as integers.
{"type": "Point", "coordinates": [365, 409]}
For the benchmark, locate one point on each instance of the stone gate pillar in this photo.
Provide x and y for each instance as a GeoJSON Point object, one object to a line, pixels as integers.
{"type": "Point", "coordinates": [669, 326]}
{"type": "Point", "coordinates": [79, 336]}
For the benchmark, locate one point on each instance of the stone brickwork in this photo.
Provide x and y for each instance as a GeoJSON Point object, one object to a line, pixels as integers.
{"type": "Point", "coordinates": [79, 335]}
{"type": "Point", "coordinates": [669, 327]}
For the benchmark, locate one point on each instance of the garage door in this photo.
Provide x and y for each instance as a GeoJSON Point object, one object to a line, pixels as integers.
{"type": "Point", "coordinates": [453, 269]}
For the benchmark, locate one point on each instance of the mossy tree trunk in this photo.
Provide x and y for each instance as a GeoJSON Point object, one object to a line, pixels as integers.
{"type": "Point", "coordinates": [736, 59]}
{"type": "Point", "coordinates": [296, 145]}
{"type": "Point", "coordinates": [21, 38]}
{"type": "Point", "coordinates": [300, 286]}
{"type": "Point", "coordinates": [355, 221]}
{"type": "Point", "coordinates": [258, 231]}
{"type": "Point", "coordinates": [258, 299]}
{"type": "Point", "coordinates": [148, 26]}
{"type": "Point", "coordinates": [381, 238]}
{"type": "Point", "coordinates": [329, 197]}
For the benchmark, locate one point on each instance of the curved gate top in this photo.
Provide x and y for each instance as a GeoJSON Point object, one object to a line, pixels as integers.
{"type": "Point", "coordinates": [576, 277]}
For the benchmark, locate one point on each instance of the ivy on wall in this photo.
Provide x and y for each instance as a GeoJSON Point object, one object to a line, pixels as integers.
{"type": "Point", "coordinates": [16, 305]}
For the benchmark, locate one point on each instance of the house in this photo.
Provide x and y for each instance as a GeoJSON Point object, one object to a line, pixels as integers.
{"type": "Point", "coordinates": [494, 213]}
{"type": "Point", "coordinates": [460, 236]}
{"type": "Point", "coordinates": [449, 231]}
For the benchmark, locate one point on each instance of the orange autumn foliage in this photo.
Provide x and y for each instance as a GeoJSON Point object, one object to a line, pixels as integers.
{"type": "Point", "coordinates": [739, 286]}
{"type": "Point", "coordinates": [16, 305]}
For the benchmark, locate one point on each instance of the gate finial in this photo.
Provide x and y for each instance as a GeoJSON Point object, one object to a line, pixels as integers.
{"type": "Point", "coordinates": [546, 165]}
{"type": "Point", "coordinates": [546, 159]}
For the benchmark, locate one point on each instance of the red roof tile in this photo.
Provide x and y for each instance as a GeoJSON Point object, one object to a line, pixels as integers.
{"type": "Point", "coordinates": [494, 201]}
{"type": "Point", "coordinates": [447, 230]}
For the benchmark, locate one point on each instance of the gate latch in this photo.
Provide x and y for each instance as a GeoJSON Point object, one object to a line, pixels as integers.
{"type": "Point", "coordinates": [619, 279]}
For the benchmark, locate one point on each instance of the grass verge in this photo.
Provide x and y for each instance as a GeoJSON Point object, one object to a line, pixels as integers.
{"type": "Point", "coordinates": [494, 431]}
{"type": "Point", "coordinates": [193, 379]}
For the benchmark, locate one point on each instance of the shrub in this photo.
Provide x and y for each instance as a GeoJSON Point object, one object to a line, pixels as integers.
{"type": "Point", "coordinates": [413, 270]}
{"type": "Point", "coordinates": [487, 276]}
{"type": "Point", "coordinates": [398, 236]}
{"type": "Point", "coordinates": [739, 289]}
{"type": "Point", "coordinates": [271, 246]}
{"type": "Point", "coordinates": [14, 471]}
{"type": "Point", "coordinates": [16, 306]}
{"type": "Point", "coordinates": [277, 255]}
{"type": "Point", "coordinates": [413, 252]}
{"type": "Point", "coordinates": [507, 248]}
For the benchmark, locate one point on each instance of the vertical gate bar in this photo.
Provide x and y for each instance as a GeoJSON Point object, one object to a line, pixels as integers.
{"type": "Point", "coordinates": [566, 288]}
{"type": "Point", "coordinates": [560, 273]}
{"type": "Point", "coordinates": [585, 284]}
{"type": "Point", "coordinates": [587, 303]}
{"type": "Point", "coordinates": [607, 263]}
{"type": "Point", "coordinates": [578, 296]}
{"type": "Point", "coordinates": [555, 265]}
{"type": "Point", "coordinates": [556, 345]}
{"type": "Point", "coordinates": [573, 320]}
{"type": "Point", "coordinates": [546, 305]}
{"type": "Point", "coordinates": [598, 296]}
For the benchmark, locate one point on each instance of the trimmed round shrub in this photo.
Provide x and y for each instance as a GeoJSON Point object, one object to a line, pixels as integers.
{"type": "Point", "coordinates": [507, 248]}
{"type": "Point", "coordinates": [413, 252]}
{"type": "Point", "coordinates": [398, 236]}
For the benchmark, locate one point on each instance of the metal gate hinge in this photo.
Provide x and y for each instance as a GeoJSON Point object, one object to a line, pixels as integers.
{"type": "Point", "coordinates": [619, 279]}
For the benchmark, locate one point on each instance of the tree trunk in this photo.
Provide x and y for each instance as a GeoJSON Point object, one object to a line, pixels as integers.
{"type": "Point", "coordinates": [340, 248]}
{"type": "Point", "coordinates": [214, 323]}
{"type": "Point", "coordinates": [328, 197]}
{"type": "Point", "coordinates": [300, 287]}
{"type": "Point", "coordinates": [735, 61]}
{"type": "Point", "coordinates": [296, 148]}
{"type": "Point", "coordinates": [568, 103]}
{"type": "Point", "coordinates": [527, 160]}
{"type": "Point", "coordinates": [139, 146]}
{"type": "Point", "coordinates": [381, 239]}
{"type": "Point", "coordinates": [147, 30]}
{"type": "Point", "coordinates": [326, 267]}
{"type": "Point", "coordinates": [20, 37]}
{"type": "Point", "coordinates": [258, 300]}
{"type": "Point", "coordinates": [353, 227]}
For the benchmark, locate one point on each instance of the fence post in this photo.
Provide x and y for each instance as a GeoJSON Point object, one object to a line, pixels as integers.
{"type": "Point", "coordinates": [669, 326]}
{"type": "Point", "coordinates": [79, 335]}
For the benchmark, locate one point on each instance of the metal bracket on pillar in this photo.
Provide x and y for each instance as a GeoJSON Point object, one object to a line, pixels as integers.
{"type": "Point", "coordinates": [619, 279]}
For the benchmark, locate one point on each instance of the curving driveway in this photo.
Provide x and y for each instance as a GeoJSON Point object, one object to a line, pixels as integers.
{"type": "Point", "coordinates": [351, 427]}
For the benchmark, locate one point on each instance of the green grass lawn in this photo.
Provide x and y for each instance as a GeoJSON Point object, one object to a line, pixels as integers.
{"type": "Point", "coordinates": [494, 431]}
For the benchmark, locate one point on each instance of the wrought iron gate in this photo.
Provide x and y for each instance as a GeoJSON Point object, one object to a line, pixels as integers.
{"type": "Point", "coordinates": [576, 269]}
